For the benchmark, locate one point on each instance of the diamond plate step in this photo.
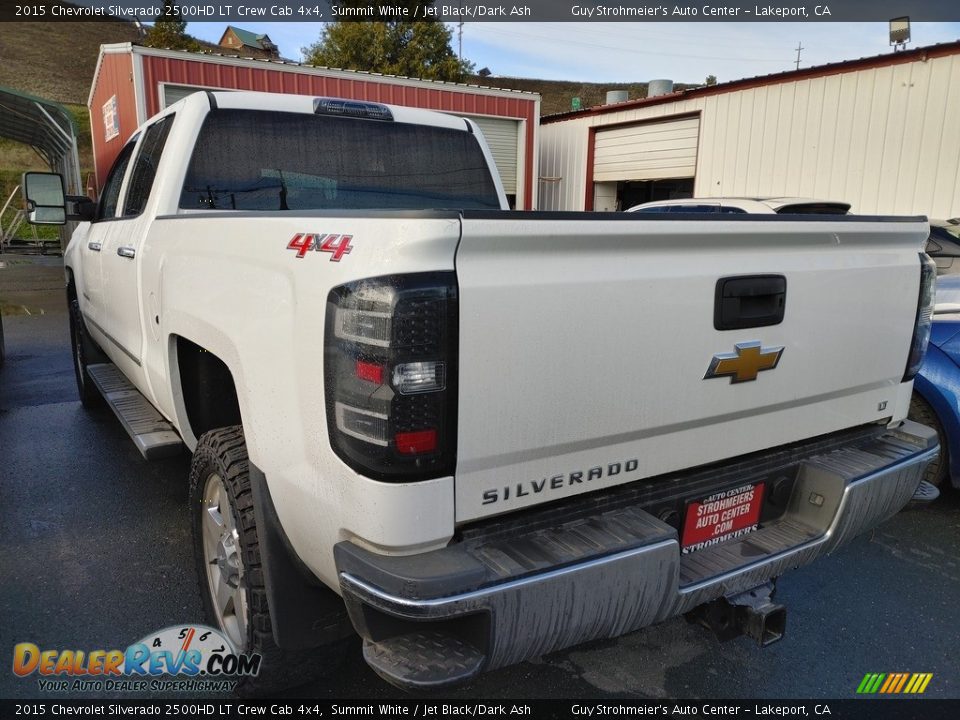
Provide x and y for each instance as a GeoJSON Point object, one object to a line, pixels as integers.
{"type": "Point", "coordinates": [926, 493]}
{"type": "Point", "coordinates": [149, 430]}
{"type": "Point", "coordinates": [423, 659]}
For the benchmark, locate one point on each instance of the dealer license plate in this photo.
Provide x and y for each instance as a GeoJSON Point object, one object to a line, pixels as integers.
{"type": "Point", "coordinates": [722, 516]}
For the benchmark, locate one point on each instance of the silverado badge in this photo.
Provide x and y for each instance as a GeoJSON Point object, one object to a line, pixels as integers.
{"type": "Point", "coordinates": [744, 363]}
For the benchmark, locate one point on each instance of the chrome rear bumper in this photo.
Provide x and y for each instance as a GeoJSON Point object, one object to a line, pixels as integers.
{"type": "Point", "coordinates": [440, 618]}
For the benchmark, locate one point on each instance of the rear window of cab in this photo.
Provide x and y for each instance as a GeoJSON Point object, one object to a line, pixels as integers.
{"type": "Point", "coordinates": [266, 160]}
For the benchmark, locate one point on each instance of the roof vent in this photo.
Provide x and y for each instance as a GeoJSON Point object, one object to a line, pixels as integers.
{"type": "Point", "coordinates": [656, 88]}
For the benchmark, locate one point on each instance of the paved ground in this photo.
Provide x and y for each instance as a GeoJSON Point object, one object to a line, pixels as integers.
{"type": "Point", "coordinates": [95, 553]}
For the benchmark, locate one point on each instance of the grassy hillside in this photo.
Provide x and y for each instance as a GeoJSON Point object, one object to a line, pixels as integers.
{"type": "Point", "coordinates": [56, 60]}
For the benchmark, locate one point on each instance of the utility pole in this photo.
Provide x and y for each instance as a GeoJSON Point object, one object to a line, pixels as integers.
{"type": "Point", "coordinates": [460, 34]}
{"type": "Point", "coordinates": [799, 48]}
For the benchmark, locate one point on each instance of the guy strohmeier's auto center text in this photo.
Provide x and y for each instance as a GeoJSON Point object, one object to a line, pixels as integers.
{"type": "Point", "coordinates": [703, 11]}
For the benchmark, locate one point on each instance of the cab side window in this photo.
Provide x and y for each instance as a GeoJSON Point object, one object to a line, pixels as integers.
{"type": "Point", "coordinates": [145, 167]}
{"type": "Point", "coordinates": [111, 189]}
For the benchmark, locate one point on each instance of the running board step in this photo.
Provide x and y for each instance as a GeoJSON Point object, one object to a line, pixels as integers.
{"type": "Point", "coordinates": [149, 430]}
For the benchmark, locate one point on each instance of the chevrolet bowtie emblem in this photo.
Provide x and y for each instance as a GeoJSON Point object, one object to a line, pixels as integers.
{"type": "Point", "coordinates": [744, 363]}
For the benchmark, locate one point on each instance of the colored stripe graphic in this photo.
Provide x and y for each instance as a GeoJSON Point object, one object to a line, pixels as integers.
{"type": "Point", "coordinates": [894, 683]}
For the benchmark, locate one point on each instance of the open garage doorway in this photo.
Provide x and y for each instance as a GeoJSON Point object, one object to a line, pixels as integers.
{"type": "Point", "coordinates": [617, 196]}
{"type": "Point", "coordinates": [632, 193]}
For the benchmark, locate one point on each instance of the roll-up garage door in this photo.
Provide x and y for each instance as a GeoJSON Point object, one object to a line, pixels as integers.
{"type": "Point", "coordinates": [173, 93]}
{"type": "Point", "coordinates": [501, 135]}
{"type": "Point", "coordinates": [650, 151]}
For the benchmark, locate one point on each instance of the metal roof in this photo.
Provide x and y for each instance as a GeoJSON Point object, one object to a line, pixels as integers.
{"type": "Point", "coordinates": [47, 127]}
{"type": "Point", "coordinates": [921, 54]}
{"type": "Point", "coordinates": [208, 56]}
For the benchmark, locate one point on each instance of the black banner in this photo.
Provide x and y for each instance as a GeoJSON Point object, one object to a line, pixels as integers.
{"type": "Point", "coordinates": [490, 11]}
{"type": "Point", "coordinates": [846, 709]}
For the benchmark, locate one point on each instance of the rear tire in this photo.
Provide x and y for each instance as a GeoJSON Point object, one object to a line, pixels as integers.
{"type": "Point", "coordinates": [227, 551]}
{"type": "Point", "coordinates": [923, 413]}
{"type": "Point", "coordinates": [85, 353]}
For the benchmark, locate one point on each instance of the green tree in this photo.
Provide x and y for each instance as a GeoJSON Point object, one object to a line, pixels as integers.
{"type": "Point", "coordinates": [711, 79]}
{"type": "Point", "coordinates": [170, 31]}
{"type": "Point", "coordinates": [414, 49]}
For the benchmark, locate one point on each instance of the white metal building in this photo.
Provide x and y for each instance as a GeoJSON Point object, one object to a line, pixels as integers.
{"type": "Point", "coordinates": [881, 133]}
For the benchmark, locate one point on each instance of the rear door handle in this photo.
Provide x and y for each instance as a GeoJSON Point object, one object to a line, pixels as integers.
{"type": "Point", "coordinates": [127, 251]}
{"type": "Point", "coordinates": [94, 245]}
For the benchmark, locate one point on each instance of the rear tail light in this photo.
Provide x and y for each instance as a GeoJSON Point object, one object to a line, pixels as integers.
{"type": "Point", "coordinates": [418, 377]}
{"type": "Point", "coordinates": [390, 374]}
{"type": "Point", "coordinates": [924, 321]}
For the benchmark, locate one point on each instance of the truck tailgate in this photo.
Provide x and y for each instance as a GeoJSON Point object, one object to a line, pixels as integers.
{"type": "Point", "coordinates": [585, 341]}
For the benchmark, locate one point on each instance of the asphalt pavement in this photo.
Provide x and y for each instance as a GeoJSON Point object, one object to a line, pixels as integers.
{"type": "Point", "coordinates": [95, 553]}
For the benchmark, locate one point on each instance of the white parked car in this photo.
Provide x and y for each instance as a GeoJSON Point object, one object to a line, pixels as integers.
{"type": "Point", "coordinates": [754, 205]}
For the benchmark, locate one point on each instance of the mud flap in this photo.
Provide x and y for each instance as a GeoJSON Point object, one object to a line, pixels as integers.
{"type": "Point", "coordinates": [306, 613]}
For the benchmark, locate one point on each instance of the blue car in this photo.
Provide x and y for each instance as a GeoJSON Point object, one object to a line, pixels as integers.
{"type": "Point", "coordinates": [936, 389]}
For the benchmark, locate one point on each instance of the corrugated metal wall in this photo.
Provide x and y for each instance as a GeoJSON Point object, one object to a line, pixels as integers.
{"type": "Point", "coordinates": [886, 139]}
{"type": "Point", "coordinates": [223, 73]}
{"type": "Point", "coordinates": [115, 77]}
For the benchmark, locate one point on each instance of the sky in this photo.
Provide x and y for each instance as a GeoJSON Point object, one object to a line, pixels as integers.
{"type": "Point", "coordinates": [637, 51]}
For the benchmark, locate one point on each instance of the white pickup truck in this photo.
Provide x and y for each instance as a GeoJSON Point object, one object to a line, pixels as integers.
{"type": "Point", "coordinates": [470, 435]}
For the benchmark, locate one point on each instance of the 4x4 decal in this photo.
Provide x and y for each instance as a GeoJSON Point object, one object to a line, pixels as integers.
{"type": "Point", "coordinates": [335, 244]}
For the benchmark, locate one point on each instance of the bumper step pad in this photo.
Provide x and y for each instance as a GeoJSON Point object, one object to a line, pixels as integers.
{"type": "Point", "coordinates": [423, 659]}
{"type": "Point", "coordinates": [149, 430]}
{"type": "Point", "coordinates": [926, 493]}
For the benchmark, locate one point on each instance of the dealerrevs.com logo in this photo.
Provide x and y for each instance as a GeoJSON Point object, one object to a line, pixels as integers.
{"type": "Point", "coordinates": [190, 658]}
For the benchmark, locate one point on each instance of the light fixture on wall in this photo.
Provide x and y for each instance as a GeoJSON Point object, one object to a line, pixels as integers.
{"type": "Point", "coordinates": [899, 33]}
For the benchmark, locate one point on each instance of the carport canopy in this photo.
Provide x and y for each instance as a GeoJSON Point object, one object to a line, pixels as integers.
{"type": "Point", "coordinates": [47, 127]}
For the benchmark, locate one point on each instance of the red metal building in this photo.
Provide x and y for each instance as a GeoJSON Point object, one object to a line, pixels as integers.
{"type": "Point", "coordinates": [132, 83]}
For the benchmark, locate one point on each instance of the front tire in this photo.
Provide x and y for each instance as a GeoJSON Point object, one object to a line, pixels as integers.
{"type": "Point", "coordinates": [227, 551]}
{"type": "Point", "coordinates": [85, 353]}
{"type": "Point", "coordinates": [923, 413]}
